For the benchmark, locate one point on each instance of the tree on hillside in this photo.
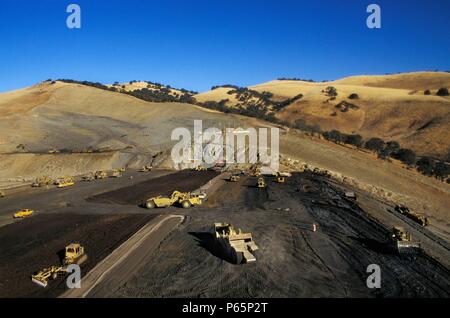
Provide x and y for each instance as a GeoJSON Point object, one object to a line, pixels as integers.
{"type": "Point", "coordinates": [427, 92]}
{"type": "Point", "coordinates": [334, 135]}
{"type": "Point", "coordinates": [375, 144]}
{"type": "Point", "coordinates": [353, 96]}
{"type": "Point", "coordinates": [441, 170]}
{"type": "Point", "coordinates": [443, 91]}
{"type": "Point", "coordinates": [406, 156]}
{"type": "Point", "coordinates": [355, 140]}
{"type": "Point", "coordinates": [426, 166]}
{"type": "Point", "coordinates": [330, 91]}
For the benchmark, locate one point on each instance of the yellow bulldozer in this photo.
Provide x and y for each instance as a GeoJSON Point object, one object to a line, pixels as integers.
{"type": "Point", "coordinates": [236, 245]}
{"type": "Point", "coordinates": [184, 199]}
{"type": "Point", "coordinates": [199, 168]}
{"type": "Point", "coordinates": [74, 254]}
{"type": "Point", "coordinates": [116, 174]}
{"type": "Point", "coordinates": [146, 168]}
{"type": "Point", "coordinates": [234, 178]}
{"type": "Point", "coordinates": [261, 183]}
{"type": "Point", "coordinates": [24, 213]}
{"type": "Point", "coordinates": [402, 240]}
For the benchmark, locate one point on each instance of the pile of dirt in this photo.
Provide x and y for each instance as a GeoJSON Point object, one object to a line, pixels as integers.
{"type": "Point", "coordinates": [185, 181]}
{"type": "Point", "coordinates": [38, 242]}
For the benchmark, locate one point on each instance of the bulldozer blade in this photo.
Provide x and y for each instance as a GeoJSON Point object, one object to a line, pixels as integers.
{"type": "Point", "coordinates": [40, 283]}
{"type": "Point", "coordinates": [407, 247]}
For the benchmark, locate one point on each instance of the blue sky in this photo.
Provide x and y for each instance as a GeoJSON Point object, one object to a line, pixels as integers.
{"type": "Point", "coordinates": [196, 44]}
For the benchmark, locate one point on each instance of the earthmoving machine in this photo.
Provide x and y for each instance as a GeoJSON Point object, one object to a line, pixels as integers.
{"type": "Point", "coordinates": [42, 181]}
{"type": "Point", "coordinates": [42, 277]}
{"type": "Point", "coordinates": [74, 254]}
{"type": "Point", "coordinates": [88, 178]}
{"type": "Point", "coordinates": [24, 213]}
{"type": "Point", "coordinates": [116, 174]}
{"type": "Point", "coordinates": [185, 199]}
{"type": "Point", "coordinates": [121, 169]}
{"type": "Point", "coordinates": [64, 182]}
{"type": "Point", "coordinates": [199, 168]}
{"type": "Point", "coordinates": [280, 178]}
{"type": "Point", "coordinates": [234, 178]}
{"type": "Point", "coordinates": [261, 182]}
{"type": "Point", "coordinates": [100, 174]}
{"type": "Point", "coordinates": [418, 218]}
{"type": "Point", "coordinates": [350, 195]}
{"type": "Point", "coordinates": [146, 168]}
{"type": "Point", "coordinates": [237, 245]}
{"type": "Point", "coordinates": [2, 194]}
{"type": "Point", "coordinates": [403, 240]}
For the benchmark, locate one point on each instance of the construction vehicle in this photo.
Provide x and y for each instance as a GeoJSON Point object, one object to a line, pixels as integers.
{"type": "Point", "coordinates": [42, 277]}
{"type": "Point", "coordinates": [280, 178]}
{"type": "Point", "coordinates": [121, 169]}
{"type": "Point", "coordinates": [100, 174]}
{"type": "Point", "coordinates": [185, 200]}
{"type": "Point", "coordinates": [350, 195]}
{"type": "Point", "coordinates": [64, 182]}
{"type": "Point", "coordinates": [402, 240]}
{"type": "Point", "coordinates": [2, 194]}
{"type": "Point", "coordinates": [261, 182]}
{"type": "Point", "coordinates": [199, 168]}
{"type": "Point", "coordinates": [418, 218]}
{"type": "Point", "coordinates": [236, 245]}
{"type": "Point", "coordinates": [74, 254]}
{"type": "Point", "coordinates": [116, 174]}
{"type": "Point", "coordinates": [88, 178]}
{"type": "Point", "coordinates": [146, 168]}
{"type": "Point", "coordinates": [42, 181]}
{"type": "Point", "coordinates": [234, 178]}
{"type": "Point", "coordinates": [23, 213]}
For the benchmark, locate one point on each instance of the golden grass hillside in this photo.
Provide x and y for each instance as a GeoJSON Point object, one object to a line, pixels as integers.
{"type": "Point", "coordinates": [392, 107]}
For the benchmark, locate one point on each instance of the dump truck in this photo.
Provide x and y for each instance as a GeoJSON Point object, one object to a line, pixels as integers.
{"type": "Point", "coordinates": [74, 254]}
{"type": "Point", "coordinates": [234, 178]}
{"type": "Point", "coordinates": [64, 182]}
{"type": "Point", "coordinates": [24, 213]}
{"type": "Point", "coordinates": [402, 240]}
{"type": "Point", "coordinates": [100, 174]}
{"type": "Point", "coordinates": [42, 181]}
{"type": "Point", "coordinates": [261, 183]}
{"type": "Point", "coordinates": [418, 218]}
{"type": "Point", "coordinates": [236, 245]}
{"type": "Point", "coordinates": [184, 199]}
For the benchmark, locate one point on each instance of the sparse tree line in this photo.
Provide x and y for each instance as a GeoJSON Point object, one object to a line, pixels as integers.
{"type": "Point", "coordinates": [391, 149]}
{"type": "Point", "coordinates": [443, 91]}
{"type": "Point", "coordinates": [161, 93]}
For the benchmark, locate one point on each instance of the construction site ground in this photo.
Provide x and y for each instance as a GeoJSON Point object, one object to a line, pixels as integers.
{"type": "Point", "coordinates": [292, 260]}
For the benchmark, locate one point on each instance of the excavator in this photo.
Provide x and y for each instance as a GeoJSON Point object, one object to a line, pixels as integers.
{"type": "Point", "coordinates": [74, 254]}
{"type": "Point", "coordinates": [184, 199]}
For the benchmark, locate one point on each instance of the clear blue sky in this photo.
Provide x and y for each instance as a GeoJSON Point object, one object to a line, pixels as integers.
{"type": "Point", "coordinates": [199, 43]}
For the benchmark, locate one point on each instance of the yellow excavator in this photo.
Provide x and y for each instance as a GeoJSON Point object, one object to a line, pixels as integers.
{"type": "Point", "coordinates": [74, 254]}
{"type": "Point", "coordinates": [184, 199]}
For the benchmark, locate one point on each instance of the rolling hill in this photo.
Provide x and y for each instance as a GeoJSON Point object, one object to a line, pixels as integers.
{"type": "Point", "coordinates": [392, 107]}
